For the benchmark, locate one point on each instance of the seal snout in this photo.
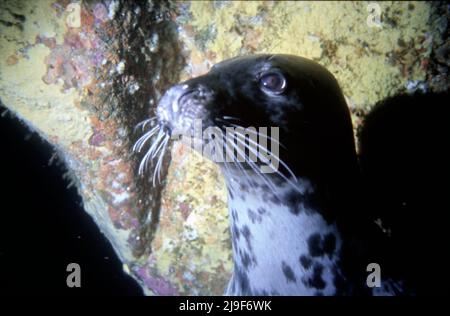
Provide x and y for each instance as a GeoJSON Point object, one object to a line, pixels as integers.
{"type": "Point", "coordinates": [182, 105]}
{"type": "Point", "coordinates": [168, 105]}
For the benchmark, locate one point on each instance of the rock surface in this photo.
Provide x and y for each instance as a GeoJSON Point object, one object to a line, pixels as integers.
{"type": "Point", "coordinates": [84, 76]}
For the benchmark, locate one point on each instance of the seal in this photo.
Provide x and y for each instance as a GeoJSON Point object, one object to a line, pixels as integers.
{"type": "Point", "coordinates": [289, 222]}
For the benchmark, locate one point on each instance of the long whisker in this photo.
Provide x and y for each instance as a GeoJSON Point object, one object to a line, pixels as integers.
{"type": "Point", "coordinates": [228, 178]}
{"type": "Point", "coordinates": [247, 147]}
{"type": "Point", "coordinates": [268, 160]}
{"type": "Point", "coordinates": [266, 150]}
{"type": "Point", "coordinates": [161, 157]}
{"type": "Point", "coordinates": [158, 139]}
{"type": "Point", "coordinates": [258, 155]}
{"type": "Point", "coordinates": [141, 141]}
{"type": "Point", "coordinates": [144, 123]}
{"type": "Point", "coordinates": [144, 161]}
{"type": "Point", "coordinates": [246, 175]}
{"type": "Point", "coordinates": [143, 164]}
{"type": "Point", "coordinates": [253, 132]}
{"type": "Point", "coordinates": [157, 169]}
{"type": "Point", "coordinates": [231, 118]}
{"type": "Point", "coordinates": [159, 147]}
{"type": "Point", "coordinates": [254, 167]}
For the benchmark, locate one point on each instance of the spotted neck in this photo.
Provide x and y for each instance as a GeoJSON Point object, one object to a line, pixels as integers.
{"type": "Point", "coordinates": [282, 245]}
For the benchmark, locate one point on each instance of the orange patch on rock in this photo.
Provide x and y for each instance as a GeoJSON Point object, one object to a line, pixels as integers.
{"type": "Point", "coordinates": [253, 39]}
{"type": "Point", "coordinates": [114, 215]}
{"type": "Point", "coordinates": [93, 154]}
{"type": "Point", "coordinates": [12, 60]}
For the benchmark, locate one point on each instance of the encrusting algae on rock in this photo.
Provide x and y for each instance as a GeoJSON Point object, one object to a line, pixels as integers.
{"type": "Point", "coordinates": [335, 34]}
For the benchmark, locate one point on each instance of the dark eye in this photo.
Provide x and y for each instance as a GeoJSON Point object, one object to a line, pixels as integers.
{"type": "Point", "coordinates": [273, 82]}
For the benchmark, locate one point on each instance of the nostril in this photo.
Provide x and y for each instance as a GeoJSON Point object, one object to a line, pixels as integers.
{"type": "Point", "coordinates": [165, 127]}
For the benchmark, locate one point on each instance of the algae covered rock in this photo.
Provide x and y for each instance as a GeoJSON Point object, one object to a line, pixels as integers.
{"type": "Point", "coordinates": [84, 75]}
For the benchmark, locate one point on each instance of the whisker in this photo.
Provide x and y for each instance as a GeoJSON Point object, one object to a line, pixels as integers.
{"type": "Point", "coordinates": [144, 161]}
{"type": "Point", "coordinates": [243, 171]}
{"type": "Point", "coordinates": [158, 139]}
{"type": "Point", "coordinates": [157, 169]}
{"type": "Point", "coordinates": [254, 132]}
{"type": "Point", "coordinates": [258, 155]}
{"type": "Point", "coordinates": [161, 158]}
{"type": "Point", "coordinates": [228, 177]}
{"type": "Point", "coordinates": [259, 146]}
{"type": "Point", "coordinates": [268, 151]}
{"type": "Point", "coordinates": [144, 123]}
{"type": "Point", "coordinates": [143, 139]}
{"type": "Point", "coordinates": [142, 165]}
{"type": "Point", "coordinates": [254, 168]}
{"type": "Point", "coordinates": [251, 163]}
{"type": "Point", "coordinates": [159, 147]}
{"type": "Point", "coordinates": [142, 142]}
{"type": "Point", "coordinates": [231, 118]}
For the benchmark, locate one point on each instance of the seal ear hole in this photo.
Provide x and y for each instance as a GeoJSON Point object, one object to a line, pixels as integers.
{"type": "Point", "coordinates": [272, 82]}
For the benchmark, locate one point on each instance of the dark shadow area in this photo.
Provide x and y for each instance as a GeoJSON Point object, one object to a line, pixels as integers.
{"type": "Point", "coordinates": [149, 44]}
{"type": "Point", "coordinates": [43, 226]}
{"type": "Point", "coordinates": [405, 145]}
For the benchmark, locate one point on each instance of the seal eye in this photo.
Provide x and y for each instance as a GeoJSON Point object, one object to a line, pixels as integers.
{"type": "Point", "coordinates": [273, 82]}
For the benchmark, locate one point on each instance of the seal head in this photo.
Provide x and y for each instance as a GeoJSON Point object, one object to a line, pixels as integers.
{"type": "Point", "coordinates": [293, 93]}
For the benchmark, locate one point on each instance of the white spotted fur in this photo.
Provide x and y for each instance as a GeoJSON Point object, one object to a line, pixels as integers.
{"type": "Point", "coordinates": [280, 237]}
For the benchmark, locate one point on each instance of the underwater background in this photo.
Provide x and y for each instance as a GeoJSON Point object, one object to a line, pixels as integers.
{"type": "Point", "coordinates": [75, 79]}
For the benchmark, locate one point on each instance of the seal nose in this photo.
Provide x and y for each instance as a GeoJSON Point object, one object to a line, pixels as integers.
{"type": "Point", "coordinates": [185, 104]}
{"type": "Point", "coordinates": [168, 106]}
